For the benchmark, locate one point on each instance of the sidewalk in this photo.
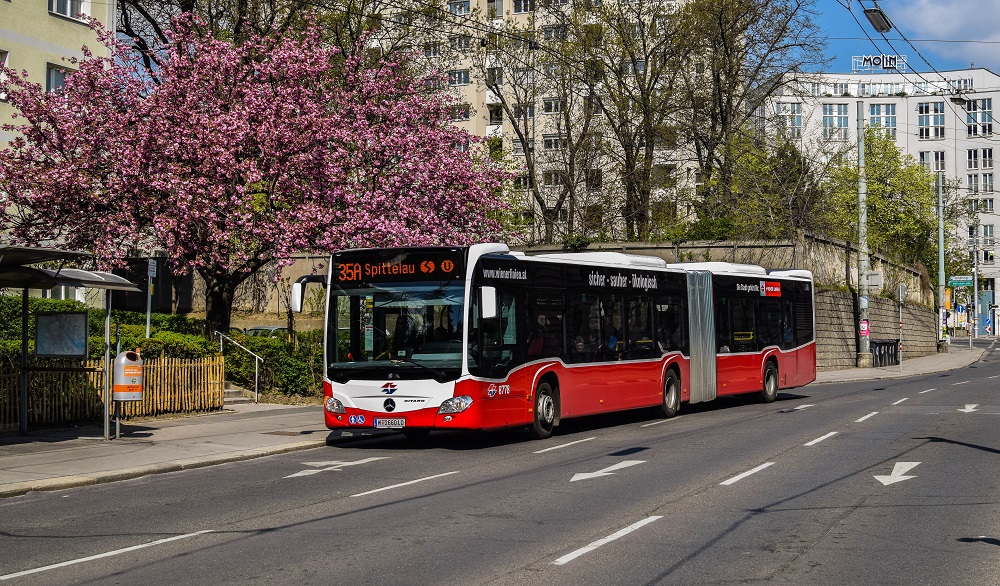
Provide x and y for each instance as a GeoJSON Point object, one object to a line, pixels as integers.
{"type": "Point", "coordinates": [61, 459]}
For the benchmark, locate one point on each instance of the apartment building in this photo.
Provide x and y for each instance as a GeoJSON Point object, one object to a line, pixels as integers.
{"type": "Point", "coordinates": [943, 119]}
{"type": "Point", "coordinates": [38, 35]}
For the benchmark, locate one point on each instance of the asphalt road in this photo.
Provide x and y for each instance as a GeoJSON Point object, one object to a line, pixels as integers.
{"type": "Point", "coordinates": [882, 482]}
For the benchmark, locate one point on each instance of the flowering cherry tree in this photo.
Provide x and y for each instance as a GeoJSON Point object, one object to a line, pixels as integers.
{"type": "Point", "coordinates": [239, 156]}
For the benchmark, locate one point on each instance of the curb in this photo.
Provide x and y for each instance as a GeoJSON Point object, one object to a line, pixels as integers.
{"type": "Point", "coordinates": [74, 481]}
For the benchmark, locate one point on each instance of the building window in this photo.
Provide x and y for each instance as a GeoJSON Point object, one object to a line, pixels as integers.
{"type": "Point", "coordinates": [988, 235]}
{"type": "Point", "coordinates": [461, 112]}
{"type": "Point", "coordinates": [988, 187]}
{"type": "Point", "coordinates": [841, 89]}
{"type": "Point", "coordinates": [519, 146]}
{"type": "Point", "coordinates": [553, 142]}
{"type": "Point", "coordinates": [925, 159]}
{"type": "Point", "coordinates": [494, 76]}
{"type": "Point", "coordinates": [973, 159]}
{"type": "Point", "coordinates": [938, 161]}
{"type": "Point", "coordinates": [554, 178]}
{"type": "Point", "coordinates": [69, 8]}
{"type": "Point", "coordinates": [522, 181]}
{"type": "Point", "coordinates": [3, 63]}
{"type": "Point", "coordinates": [979, 117]}
{"type": "Point", "coordinates": [790, 119]}
{"type": "Point", "coordinates": [986, 205]}
{"type": "Point", "coordinates": [835, 121]}
{"type": "Point", "coordinates": [883, 116]}
{"type": "Point", "coordinates": [930, 119]}
{"type": "Point", "coordinates": [972, 183]}
{"type": "Point", "coordinates": [555, 32]}
{"type": "Point", "coordinates": [496, 114]}
{"type": "Point", "coordinates": [55, 78]}
{"type": "Point", "coordinates": [522, 6]}
{"type": "Point", "coordinates": [460, 42]}
{"type": "Point", "coordinates": [524, 111]}
{"type": "Point", "coordinates": [432, 49]}
{"type": "Point", "coordinates": [594, 178]}
{"type": "Point", "coordinates": [987, 158]}
{"type": "Point", "coordinates": [458, 77]}
{"type": "Point", "coordinates": [553, 105]}
{"type": "Point", "coordinates": [459, 7]}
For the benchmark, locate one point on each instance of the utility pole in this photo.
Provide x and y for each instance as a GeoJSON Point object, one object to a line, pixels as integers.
{"type": "Point", "coordinates": [864, 358]}
{"type": "Point", "coordinates": [942, 312]}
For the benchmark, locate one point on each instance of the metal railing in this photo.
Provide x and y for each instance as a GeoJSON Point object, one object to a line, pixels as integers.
{"type": "Point", "coordinates": [885, 352]}
{"type": "Point", "coordinates": [258, 360]}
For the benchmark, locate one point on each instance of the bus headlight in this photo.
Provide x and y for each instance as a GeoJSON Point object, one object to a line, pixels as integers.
{"type": "Point", "coordinates": [334, 405]}
{"type": "Point", "coordinates": [456, 404]}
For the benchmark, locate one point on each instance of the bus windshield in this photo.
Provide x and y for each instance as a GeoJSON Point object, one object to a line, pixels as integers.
{"type": "Point", "coordinates": [405, 330]}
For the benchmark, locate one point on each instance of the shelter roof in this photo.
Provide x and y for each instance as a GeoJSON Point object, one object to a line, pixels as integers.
{"type": "Point", "coordinates": [14, 273]}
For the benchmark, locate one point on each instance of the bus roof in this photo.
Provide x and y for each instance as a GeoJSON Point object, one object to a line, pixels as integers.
{"type": "Point", "coordinates": [610, 258]}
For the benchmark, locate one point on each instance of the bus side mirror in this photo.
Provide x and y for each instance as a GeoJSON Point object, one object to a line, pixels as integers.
{"type": "Point", "coordinates": [299, 290]}
{"type": "Point", "coordinates": [488, 302]}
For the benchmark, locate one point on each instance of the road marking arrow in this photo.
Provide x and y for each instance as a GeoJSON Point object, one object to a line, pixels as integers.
{"type": "Point", "coordinates": [898, 472]}
{"type": "Point", "coordinates": [329, 466]}
{"type": "Point", "coordinates": [606, 471]}
{"type": "Point", "coordinates": [969, 408]}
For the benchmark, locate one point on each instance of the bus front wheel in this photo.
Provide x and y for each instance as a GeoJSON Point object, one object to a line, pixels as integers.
{"type": "Point", "coordinates": [770, 392]}
{"type": "Point", "coordinates": [671, 395]}
{"type": "Point", "coordinates": [545, 411]}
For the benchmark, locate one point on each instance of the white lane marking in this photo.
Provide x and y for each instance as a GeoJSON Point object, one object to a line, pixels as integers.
{"type": "Point", "coordinates": [573, 555]}
{"type": "Point", "coordinates": [104, 555]}
{"type": "Point", "coordinates": [610, 470]}
{"type": "Point", "coordinates": [565, 445]}
{"type": "Point", "coordinates": [995, 375]}
{"type": "Point", "coordinates": [898, 472]}
{"type": "Point", "coordinates": [961, 383]}
{"type": "Point", "coordinates": [332, 466]}
{"type": "Point", "coordinates": [927, 391]}
{"type": "Point", "coordinates": [661, 421]}
{"type": "Point", "coordinates": [739, 477]}
{"type": "Point", "coordinates": [821, 438]}
{"type": "Point", "coordinates": [872, 414]}
{"type": "Point", "coordinates": [405, 483]}
{"type": "Point", "coordinates": [969, 408]}
{"type": "Point", "coordinates": [800, 407]}
{"type": "Point", "coordinates": [900, 401]}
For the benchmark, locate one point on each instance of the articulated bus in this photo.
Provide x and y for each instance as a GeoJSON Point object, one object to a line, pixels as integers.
{"type": "Point", "coordinates": [480, 337]}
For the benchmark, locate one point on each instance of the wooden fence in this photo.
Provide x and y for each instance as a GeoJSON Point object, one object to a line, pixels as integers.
{"type": "Point", "coordinates": [56, 396]}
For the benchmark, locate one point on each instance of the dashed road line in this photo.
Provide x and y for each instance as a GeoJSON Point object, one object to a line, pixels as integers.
{"type": "Point", "coordinates": [566, 445]}
{"type": "Point", "coordinates": [901, 400]}
{"type": "Point", "coordinates": [575, 554]}
{"type": "Point", "coordinates": [739, 477]}
{"type": "Point", "coordinates": [405, 483]}
{"type": "Point", "coordinates": [103, 555]}
{"type": "Point", "coordinates": [820, 438]}
{"type": "Point", "coordinates": [872, 414]}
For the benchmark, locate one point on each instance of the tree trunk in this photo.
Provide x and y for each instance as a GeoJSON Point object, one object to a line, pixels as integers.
{"type": "Point", "coordinates": [220, 289]}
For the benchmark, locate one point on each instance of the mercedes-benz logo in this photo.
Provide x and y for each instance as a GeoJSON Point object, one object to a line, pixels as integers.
{"type": "Point", "coordinates": [389, 405]}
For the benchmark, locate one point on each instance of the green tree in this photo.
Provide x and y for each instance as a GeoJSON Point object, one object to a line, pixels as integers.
{"type": "Point", "coordinates": [901, 202]}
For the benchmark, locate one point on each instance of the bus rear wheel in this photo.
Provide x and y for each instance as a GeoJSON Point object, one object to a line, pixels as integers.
{"type": "Point", "coordinates": [545, 411]}
{"type": "Point", "coordinates": [770, 392]}
{"type": "Point", "coordinates": [671, 395]}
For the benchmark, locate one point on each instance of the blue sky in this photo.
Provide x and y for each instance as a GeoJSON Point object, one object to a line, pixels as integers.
{"type": "Point", "coordinates": [948, 34]}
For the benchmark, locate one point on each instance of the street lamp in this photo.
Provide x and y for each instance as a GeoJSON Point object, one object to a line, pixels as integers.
{"type": "Point", "coordinates": [880, 22]}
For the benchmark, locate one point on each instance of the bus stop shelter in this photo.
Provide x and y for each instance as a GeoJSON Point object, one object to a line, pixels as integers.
{"type": "Point", "coordinates": [15, 273]}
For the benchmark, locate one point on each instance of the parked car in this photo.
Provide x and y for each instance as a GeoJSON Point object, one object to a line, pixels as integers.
{"type": "Point", "coordinates": [267, 331]}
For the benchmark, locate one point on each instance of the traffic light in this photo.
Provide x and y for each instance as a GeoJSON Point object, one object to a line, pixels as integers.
{"type": "Point", "coordinates": [993, 306]}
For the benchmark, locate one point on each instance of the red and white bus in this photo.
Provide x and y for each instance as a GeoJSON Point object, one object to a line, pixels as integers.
{"type": "Point", "coordinates": [481, 337]}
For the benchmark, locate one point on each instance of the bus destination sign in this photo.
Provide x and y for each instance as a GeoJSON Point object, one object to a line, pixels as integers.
{"type": "Point", "coordinates": [391, 266]}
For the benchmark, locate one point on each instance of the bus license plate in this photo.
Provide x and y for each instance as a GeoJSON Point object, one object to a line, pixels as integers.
{"type": "Point", "coordinates": [395, 423]}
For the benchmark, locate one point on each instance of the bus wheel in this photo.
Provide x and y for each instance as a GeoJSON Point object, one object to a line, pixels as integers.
{"type": "Point", "coordinates": [671, 395]}
{"type": "Point", "coordinates": [545, 411]}
{"type": "Point", "coordinates": [770, 392]}
{"type": "Point", "coordinates": [417, 433]}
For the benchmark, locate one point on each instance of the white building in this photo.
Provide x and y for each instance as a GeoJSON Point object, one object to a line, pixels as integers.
{"type": "Point", "coordinates": [944, 120]}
